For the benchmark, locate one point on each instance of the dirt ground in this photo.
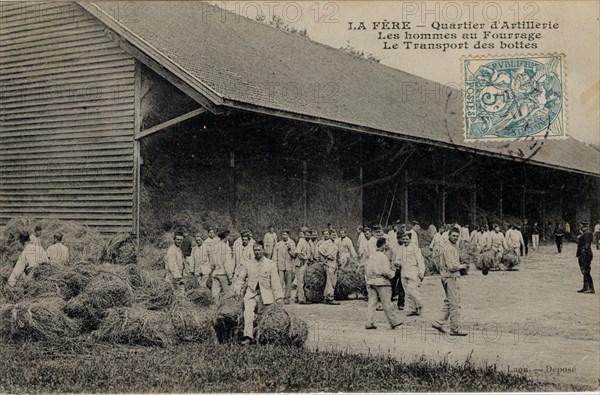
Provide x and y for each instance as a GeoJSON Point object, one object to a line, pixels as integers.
{"type": "Point", "coordinates": [531, 321]}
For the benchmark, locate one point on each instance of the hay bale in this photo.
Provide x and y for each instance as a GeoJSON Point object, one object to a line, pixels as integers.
{"type": "Point", "coordinates": [486, 260]}
{"type": "Point", "coordinates": [53, 279]}
{"type": "Point", "coordinates": [192, 324]}
{"type": "Point", "coordinates": [136, 326]}
{"type": "Point", "coordinates": [120, 249]}
{"type": "Point", "coordinates": [200, 297]}
{"type": "Point", "coordinates": [190, 282]}
{"type": "Point", "coordinates": [314, 283]}
{"type": "Point", "coordinates": [228, 322]}
{"type": "Point", "coordinates": [349, 281]}
{"type": "Point", "coordinates": [152, 257]}
{"type": "Point", "coordinates": [277, 326]}
{"type": "Point", "coordinates": [36, 320]}
{"type": "Point", "coordinates": [424, 238]}
{"type": "Point", "coordinates": [432, 265]}
{"type": "Point", "coordinates": [298, 331]}
{"type": "Point", "coordinates": [510, 259]}
{"type": "Point", "coordinates": [99, 296]}
{"type": "Point", "coordinates": [151, 290]}
{"type": "Point", "coordinates": [166, 240]}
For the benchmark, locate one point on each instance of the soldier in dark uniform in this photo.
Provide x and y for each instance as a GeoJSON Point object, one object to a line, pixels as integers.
{"type": "Point", "coordinates": [558, 237]}
{"type": "Point", "coordinates": [584, 256]}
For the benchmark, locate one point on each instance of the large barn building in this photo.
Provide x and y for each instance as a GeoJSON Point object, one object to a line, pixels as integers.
{"type": "Point", "coordinates": [122, 115]}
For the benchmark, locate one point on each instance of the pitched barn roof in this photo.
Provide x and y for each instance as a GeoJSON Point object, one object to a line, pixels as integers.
{"type": "Point", "coordinates": [240, 63]}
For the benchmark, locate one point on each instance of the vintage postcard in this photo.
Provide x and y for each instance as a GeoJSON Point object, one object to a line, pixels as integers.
{"type": "Point", "coordinates": [299, 196]}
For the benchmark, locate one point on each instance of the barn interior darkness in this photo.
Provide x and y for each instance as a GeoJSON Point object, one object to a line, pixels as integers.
{"type": "Point", "coordinates": [258, 170]}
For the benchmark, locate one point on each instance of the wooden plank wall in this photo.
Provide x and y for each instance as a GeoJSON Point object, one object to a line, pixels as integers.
{"type": "Point", "coordinates": [66, 118]}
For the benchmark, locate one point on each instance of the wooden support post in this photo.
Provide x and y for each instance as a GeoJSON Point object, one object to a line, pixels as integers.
{"type": "Point", "coordinates": [473, 206]}
{"type": "Point", "coordinates": [544, 224]}
{"type": "Point", "coordinates": [405, 195]}
{"type": "Point", "coordinates": [137, 158]}
{"type": "Point", "coordinates": [304, 191]}
{"type": "Point", "coordinates": [361, 179]}
{"type": "Point", "coordinates": [232, 186]}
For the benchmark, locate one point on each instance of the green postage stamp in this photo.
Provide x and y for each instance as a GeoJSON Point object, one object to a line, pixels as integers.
{"type": "Point", "coordinates": [514, 97]}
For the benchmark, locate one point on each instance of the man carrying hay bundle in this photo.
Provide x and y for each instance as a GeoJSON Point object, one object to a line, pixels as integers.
{"type": "Point", "coordinates": [199, 264]}
{"type": "Point", "coordinates": [414, 236]}
{"type": "Point", "coordinates": [58, 253]}
{"type": "Point", "coordinates": [242, 247]}
{"type": "Point", "coordinates": [410, 259]}
{"type": "Point", "coordinates": [221, 264]}
{"type": "Point", "coordinates": [174, 263]}
{"type": "Point", "coordinates": [378, 273]}
{"type": "Point", "coordinates": [33, 255]}
{"type": "Point", "coordinates": [269, 240]}
{"type": "Point", "coordinates": [283, 255]}
{"type": "Point", "coordinates": [346, 247]}
{"type": "Point", "coordinates": [328, 254]}
{"type": "Point", "coordinates": [263, 289]}
{"type": "Point", "coordinates": [514, 239]}
{"type": "Point", "coordinates": [303, 254]}
{"type": "Point", "coordinates": [498, 243]}
{"type": "Point", "coordinates": [361, 236]}
{"type": "Point", "coordinates": [450, 267]}
{"type": "Point", "coordinates": [243, 251]}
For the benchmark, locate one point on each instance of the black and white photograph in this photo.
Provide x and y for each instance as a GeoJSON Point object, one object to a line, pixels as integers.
{"type": "Point", "coordinates": [299, 196]}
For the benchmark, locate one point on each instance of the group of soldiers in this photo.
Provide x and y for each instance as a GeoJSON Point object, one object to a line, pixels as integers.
{"type": "Point", "coordinates": [263, 272]}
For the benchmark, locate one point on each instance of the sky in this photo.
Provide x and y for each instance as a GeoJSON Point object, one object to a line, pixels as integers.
{"type": "Point", "coordinates": [576, 35]}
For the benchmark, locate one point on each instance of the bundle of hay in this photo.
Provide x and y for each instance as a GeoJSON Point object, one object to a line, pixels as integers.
{"type": "Point", "coordinates": [190, 282]}
{"type": "Point", "coordinates": [298, 331]}
{"type": "Point", "coordinates": [314, 283]}
{"type": "Point", "coordinates": [192, 324]}
{"type": "Point", "coordinates": [431, 262]}
{"type": "Point", "coordinates": [200, 296]}
{"type": "Point", "coordinates": [229, 318]}
{"type": "Point", "coordinates": [151, 257]}
{"type": "Point", "coordinates": [120, 249]}
{"type": "Point", "coordinates": [7, 293]}
{"type": "Point", "coordinates": [99, 296]}
{"type": "Point", "coordinates": [107, 272]}
{"type": "Point", "coordinates": [151, 290]}
{"type": "Point", "coordinates": [424, 239]}
{"type": "Point", "coordinates": [36, 320]}
{"type": "Point", "coordinates": [510, 259]}
{"type": "Point", "coordinates": [363, 281]}
{"type": "Point", "coordinates": [277, 326]}
{"type": "Point", "coordinates": [349, 281]}
{"type": "Point", "coordinates": [136, 326]}
{"type": "Point", "coordinates": [166, 240]}
{"type": "Point", "coordinates": [53, 279]}
{"type": "Point", "coordinates": [486, 260]}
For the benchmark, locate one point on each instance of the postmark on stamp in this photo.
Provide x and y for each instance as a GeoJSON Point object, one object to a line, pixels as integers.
{"type": "Point", "coordinates": [509, 98]}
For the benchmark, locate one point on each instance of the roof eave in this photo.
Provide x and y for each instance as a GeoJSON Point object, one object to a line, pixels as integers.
{"type": "Point", "coordinates": [144, 52]}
